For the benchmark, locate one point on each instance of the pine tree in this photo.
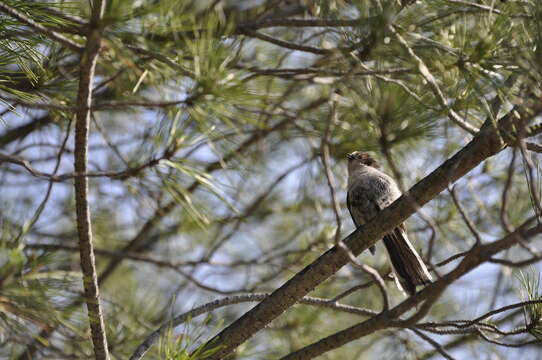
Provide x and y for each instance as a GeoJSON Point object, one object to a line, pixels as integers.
{"type": "Point", "coordinates": [216, 170]}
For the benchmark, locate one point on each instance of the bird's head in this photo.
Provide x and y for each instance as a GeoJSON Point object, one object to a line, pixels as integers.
{"type": "Point", "coordinates": [358, 159]}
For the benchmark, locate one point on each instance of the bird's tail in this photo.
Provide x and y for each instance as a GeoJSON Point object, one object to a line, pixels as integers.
{"type": "Point", "coordinates": [409, 268]}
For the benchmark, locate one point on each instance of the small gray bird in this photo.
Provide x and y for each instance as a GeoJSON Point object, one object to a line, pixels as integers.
{"type": "Point", "coordinates": [370, 191]}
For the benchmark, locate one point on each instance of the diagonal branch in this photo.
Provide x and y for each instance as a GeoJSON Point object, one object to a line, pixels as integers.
{"type": "Point", "coordinates": [485, 144]}
{"type": "Point", "coordinates": [84, 101]}
{"type": "Point", "coordinates": [478, 255]}
{"type": "Point", "coordinates": [286, 44]}
{"type": "Point", "coordinates": [40, 28]}
{"type": "Point", "coordinates": [289, 22]}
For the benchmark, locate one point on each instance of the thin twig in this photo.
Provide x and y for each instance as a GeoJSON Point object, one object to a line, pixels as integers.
{"type": "Point", "coordinates": [426, 74]}
{"type": "Point", "coordinates": [41, 206]}
{"type": "Point", "coordinates": [286, 44]}
{"type": "Point", "coordinates": [435, 344]}
{"type": "Point", "coordinates": [115, 175]}
{"type": "Point", "coordinates": [297, 72]}
{"type": "Point", "coordinates": [205, 308]}
{"type": "Point", "coordinates": [516, 345]}
{"type": "Point", "coordinates": [327, 171]}
{"type": "Point", "coordinates": [112, 105]}
{"type": "Point", "coordinates": [505, 222]}
{"type": "Point", "coordinates": [452, 258]}
{"type": "Point", "coordinates": [287, 22]}
{"type": "Point", "coordinates": [464, 216]}
{"type": "Point", "coordinates": [533, 147]}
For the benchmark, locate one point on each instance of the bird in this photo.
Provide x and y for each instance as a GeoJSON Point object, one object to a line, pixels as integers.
{"type": "Point", "coordinates": [369, 191]}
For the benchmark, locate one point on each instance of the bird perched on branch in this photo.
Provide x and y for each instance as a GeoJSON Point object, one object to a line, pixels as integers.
{"type": "Point", "coordinates": [370, 191]}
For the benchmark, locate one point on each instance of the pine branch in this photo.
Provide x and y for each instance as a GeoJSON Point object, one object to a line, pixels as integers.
{"type": "Point", "coordinates": [40, 28]}
{"type": "Point", "coordinates": [112, 105]}
{"type": "Point", "coordinates": [431, 80]}
{"type": "Point", "coordinates": [116, 175]}
{"type": "Point", "coordinates": [476, 257]}
{"type": "Point", "coordinates": [84, 101]}
{"type": "Point", "coordinates": [285, 22]}
{"type": "Point", "coordinates": [143, 235]}
{"type": "Point", "coordinates": [286, 44]}
{"type": "Point", "coordinates": [142, 238]}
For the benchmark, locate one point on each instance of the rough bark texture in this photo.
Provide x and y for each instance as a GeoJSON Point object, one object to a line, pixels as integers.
{"type": "Point", "coordinates": [84, 101]}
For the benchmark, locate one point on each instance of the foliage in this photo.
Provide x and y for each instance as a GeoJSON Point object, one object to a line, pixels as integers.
{"type": "Point", "coordinates": [206, 172]}
{"type": "Point", "coordinates": [532, 313]}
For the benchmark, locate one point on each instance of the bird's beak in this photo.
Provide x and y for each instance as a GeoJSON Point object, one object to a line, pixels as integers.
{"type": "Point", "coordinates": [350, 156]}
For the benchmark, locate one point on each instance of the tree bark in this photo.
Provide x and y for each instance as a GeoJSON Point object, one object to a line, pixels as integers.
{"type": "Point", "coordinates": [86, 251]}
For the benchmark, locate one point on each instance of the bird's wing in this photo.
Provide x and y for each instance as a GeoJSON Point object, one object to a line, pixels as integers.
{"type": "Point", "coordinates": [349, 206]}
{"type": "Point", "coordinates": [370, 194]}
{"type": "Point", "coordinates": [356, 200]}
{"type": "Point", "coordinates": [385, 191]}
